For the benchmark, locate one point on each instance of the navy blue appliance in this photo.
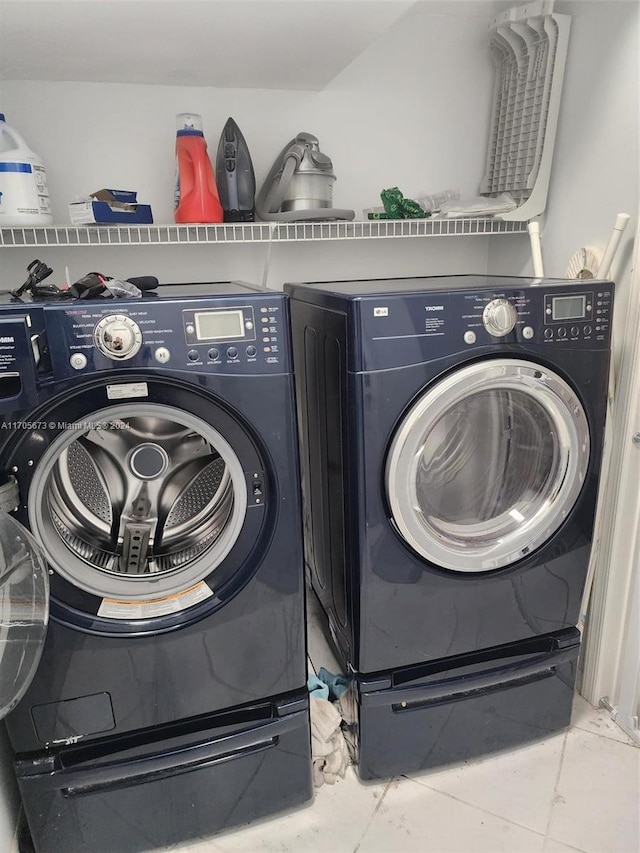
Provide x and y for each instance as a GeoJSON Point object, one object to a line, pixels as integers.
{"type": "Point", "coordinates": [451, 439]}
{"type": "Point", "coordinates": [150, 447]}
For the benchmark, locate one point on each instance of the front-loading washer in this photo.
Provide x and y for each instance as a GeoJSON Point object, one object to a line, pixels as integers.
{"type": "Point", "coordinates": [149, 447]}
{"type": "Point", "coordinates": [451, 441]}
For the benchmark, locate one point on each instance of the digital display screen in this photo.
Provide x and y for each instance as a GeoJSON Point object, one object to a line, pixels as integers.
{"type": "Point", "coordinates": [219, 325]}
{"type": "Point", "coordinates": [569, 307]}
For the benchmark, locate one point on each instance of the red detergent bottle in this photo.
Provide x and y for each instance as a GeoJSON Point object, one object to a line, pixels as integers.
{"type": "Point", "coordinates": [196, 193]}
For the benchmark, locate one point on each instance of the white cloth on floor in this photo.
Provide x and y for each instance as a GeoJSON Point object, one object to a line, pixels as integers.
{"type": "Point", "coordinates": [328, 748]}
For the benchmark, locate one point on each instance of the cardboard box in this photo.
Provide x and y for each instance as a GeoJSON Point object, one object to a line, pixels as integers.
{"type": "Point", "coordinates": [110, 207]}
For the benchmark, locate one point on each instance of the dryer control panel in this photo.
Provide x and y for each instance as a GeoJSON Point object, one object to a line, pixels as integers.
{"type": "Point", "coordinates": [238, 335]}
{"type": "Point", "coordinates": [399, 328]}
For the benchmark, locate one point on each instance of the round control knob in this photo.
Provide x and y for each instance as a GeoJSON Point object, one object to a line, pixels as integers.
{"type": "Point", "coordinates": [469, 337]}
{"type": "Point", "coordinates": [499, 317]}
{"type": "Point", "coordinates": [232, 352]}
{"type": "Point", "coordinates": [213, 354]}
{"type": "Point", "coordinates": [78, 361]}
{"type": "Point", "coordinates": [548, 333]}
{"type": "Point", "coordinates": [251, 351]}
{"type": "Point", "coordinates": [562, 332]}
{"type": "Point", "coordinates": [117, 336]}
{"type": "Point", "coordinates": [587, 330]}
{"type": "Point", "coordinates": [193, 355]}
{"type": "Point", "coordinates": [527, 333]}
{"type": "Point", "coordinates": [575, 331]}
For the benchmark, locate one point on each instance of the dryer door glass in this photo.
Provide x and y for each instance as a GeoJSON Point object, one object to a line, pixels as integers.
{"type": "Point", "coordinates": [142, 501]}
{"type": "Point", "coordinates": [24, 610]}
{"type": "Point", "coordinates": [487, 464]}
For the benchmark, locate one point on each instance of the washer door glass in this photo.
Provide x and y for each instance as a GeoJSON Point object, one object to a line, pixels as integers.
{"type": "Point", "coordinates": [142, 501]}
{"type": "Point", "coordinates": [487, 464]}
{"type": "Point", "coordinates": [24, 610]}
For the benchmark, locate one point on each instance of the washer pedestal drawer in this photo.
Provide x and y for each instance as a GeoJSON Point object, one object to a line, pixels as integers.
{"type": "Point", "coordinates": [157, 788]}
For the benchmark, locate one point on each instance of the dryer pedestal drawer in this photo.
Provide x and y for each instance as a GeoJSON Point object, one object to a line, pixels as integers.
{"type": "Point", "coordinates": [455, 717]}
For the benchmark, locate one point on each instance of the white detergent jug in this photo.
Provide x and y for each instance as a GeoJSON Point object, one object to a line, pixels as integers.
{"type": "Point", "coordinates": [24, 195]}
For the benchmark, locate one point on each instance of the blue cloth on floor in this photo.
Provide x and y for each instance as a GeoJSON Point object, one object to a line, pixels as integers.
{"type": "Point", "coordinates": [317, 688]}
{"type": "Point", "coordinates": [337, 684]}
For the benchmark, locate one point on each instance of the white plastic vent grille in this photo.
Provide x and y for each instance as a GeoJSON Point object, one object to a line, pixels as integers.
{"type": "Point", "coordinates": [529, 48]}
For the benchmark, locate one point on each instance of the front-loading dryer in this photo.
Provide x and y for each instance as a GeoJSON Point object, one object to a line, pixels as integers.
{"type": "Point", "coordinates": [451, 441]}
{"type": "Point", "coordinates": [149, 446]}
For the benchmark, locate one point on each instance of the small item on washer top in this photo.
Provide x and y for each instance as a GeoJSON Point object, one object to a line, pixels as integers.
{"type": "Point", "coordinates": [95, 284]}
{"type": "Point", "coordinates": [89, 286]}
{"type": "Point", "coordinates": [122, 289]}
{"type": "Point", "coordinates": [37, 272]}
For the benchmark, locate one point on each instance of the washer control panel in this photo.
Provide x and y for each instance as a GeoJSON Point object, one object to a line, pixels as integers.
{"type": "Point", "coordinates": [242, 334]}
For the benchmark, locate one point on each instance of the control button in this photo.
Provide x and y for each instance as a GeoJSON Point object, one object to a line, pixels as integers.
{"type": "Point", "coordinates": [528, 333]}
{"type": "Point", "coordinates": [469, 337]}
{"type": "Point", "coordinates": [562, 332]}
{"type": "Point", "coordinates": [548, 333]}
{"type": "Point", "coordinates": [548, 311]}
{"type": "Point", "coordinates": [193, 355]}
{"type": "Point", "coordinates": [251, 351]}
{"type": "Point", "coordinates": [78, 361]}
{"type": "Point", "coordinates": [213, 354]}
{"type": "Point", "coordinates": [575, 331]}
{"type": "Point", "coordinates": [191, 328]}
{"type": "Point", "coordinates": [499, 317]}
{"type": "Point", "coordinates": [232, 352]}
{"type": "Point", "coordinates": [162, 355]}
{"type": "Point", "coordinates": [587, 330]}
{"type": "Point", "coordinates": [248, 325]}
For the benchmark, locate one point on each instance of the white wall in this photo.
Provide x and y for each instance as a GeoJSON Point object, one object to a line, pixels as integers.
{"type": "Point", "coordinates": [411, 111]}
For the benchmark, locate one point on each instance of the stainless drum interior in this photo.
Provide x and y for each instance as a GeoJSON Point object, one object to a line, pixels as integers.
{"type": "Point", "coordinates": [143, 499]}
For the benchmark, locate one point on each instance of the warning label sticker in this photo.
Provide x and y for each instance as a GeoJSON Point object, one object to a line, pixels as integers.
{"type": "Point", "coordinates": [112, 608]}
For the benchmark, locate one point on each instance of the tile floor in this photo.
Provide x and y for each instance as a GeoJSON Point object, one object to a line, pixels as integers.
{"type": "Point", "coordinates": [576, 791]}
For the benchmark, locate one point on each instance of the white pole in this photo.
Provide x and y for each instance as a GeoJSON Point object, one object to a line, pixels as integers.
{"type": "Point", "coordinates": [622, 220]}
{"type": "Point", "coordinates": [536, 251]}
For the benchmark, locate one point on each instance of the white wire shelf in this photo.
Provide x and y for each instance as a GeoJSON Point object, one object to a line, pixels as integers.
{"type": "Point", "coordinates": [253, 232]}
